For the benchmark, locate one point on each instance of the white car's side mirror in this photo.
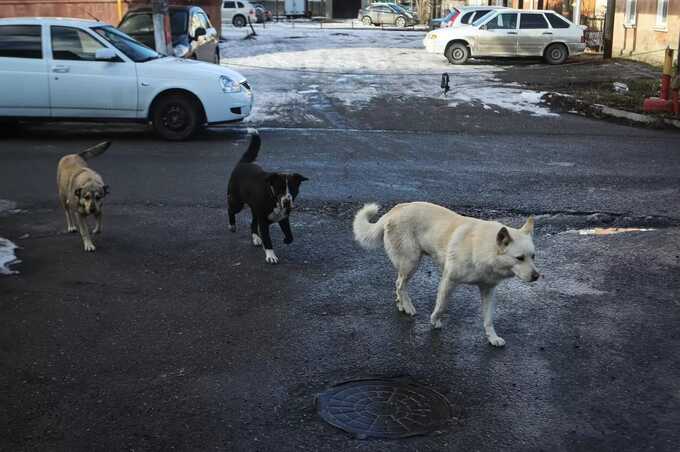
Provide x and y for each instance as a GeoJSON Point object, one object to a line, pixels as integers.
{"type": "Point", "coordinates": [105, 55]}
{"type": "Point", "coordinates": [483, 27]}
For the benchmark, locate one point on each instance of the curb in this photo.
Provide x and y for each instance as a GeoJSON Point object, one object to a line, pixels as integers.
{"type": "Point", "coordinates": [571, 104]}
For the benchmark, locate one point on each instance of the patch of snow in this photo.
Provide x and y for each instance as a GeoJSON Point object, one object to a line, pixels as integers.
{"type": "Point", "coordinates": [7, 257]}
{"type": "Point", "coordinates": [356, 66]}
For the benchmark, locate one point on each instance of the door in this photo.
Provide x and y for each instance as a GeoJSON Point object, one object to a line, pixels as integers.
{"type": "Point", "coordinates": [534, 34]}
{"type": "Point", "coordinates": [81, 86]}
{"type": "Point", "coordinates": [212, 40]}
{"type": "Point", "coordinates": [24, 89]}
{"type": "Point", "coordinates": [498, 36]}
{"type": "Point", "coordinates": [228, 9]}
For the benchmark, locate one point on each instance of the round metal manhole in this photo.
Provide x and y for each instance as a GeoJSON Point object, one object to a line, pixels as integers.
{"type": "Point", "coordinates": [384, 408]}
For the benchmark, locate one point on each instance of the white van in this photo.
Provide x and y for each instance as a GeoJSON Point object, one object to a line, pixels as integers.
{"type": "Point", "coordinates": [237, 12]}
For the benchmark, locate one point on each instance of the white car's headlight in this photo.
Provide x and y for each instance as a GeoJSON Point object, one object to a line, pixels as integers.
{"type": "Point", "coordinates": [228, 85]}
{"type": "Point", "coordinates": [433, 36]}
{"type": "Point", "coordinates": [181, 50]}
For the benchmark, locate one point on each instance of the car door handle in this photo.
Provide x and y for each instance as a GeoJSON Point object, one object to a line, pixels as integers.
{"type": "Point", "coordinates": [61, 69]}
{"type": "Point", "coordinates": [512, 32]}
{"type": "Point", "coordinates": [547, 32]}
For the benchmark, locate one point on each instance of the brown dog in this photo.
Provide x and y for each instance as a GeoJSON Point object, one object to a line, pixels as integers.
{"type": "Point", "coordinates": [81, 192]}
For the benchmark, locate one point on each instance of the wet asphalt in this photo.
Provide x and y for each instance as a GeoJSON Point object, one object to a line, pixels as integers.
{"type": "Point", "coordinates": [175, 334]}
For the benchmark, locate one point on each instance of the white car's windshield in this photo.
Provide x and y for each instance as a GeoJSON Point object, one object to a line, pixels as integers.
{"type": "Point", "coordinates": [134, 50]}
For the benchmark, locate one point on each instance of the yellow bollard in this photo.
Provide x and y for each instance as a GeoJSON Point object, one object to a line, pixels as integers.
{"type": "Point", "coordinates": [666, 74]}
{"type": "Point", "coordinates": [120, 9]}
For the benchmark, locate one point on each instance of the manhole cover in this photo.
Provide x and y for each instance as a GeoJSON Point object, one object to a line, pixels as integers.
{"type": "Point", "coordinates": [384, 408]}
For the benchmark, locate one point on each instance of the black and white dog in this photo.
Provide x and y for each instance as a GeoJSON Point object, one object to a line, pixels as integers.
{"type": "Point", "coordinates": [270, 197]}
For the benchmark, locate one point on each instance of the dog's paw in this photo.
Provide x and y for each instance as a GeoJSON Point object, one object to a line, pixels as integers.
{"type": "Point", "coordinates": [288, 240]}
{"type": "Point", "coordinates": [232, 227]}
{"type": "Point", "coordinates": [270, 257]}
{"type": "Point", "coordinates": [409, 308]}
{"type": "Point", "coordinates": [72, 229]}
{"type": "Point", "coordinates": [89, 247]}
{"type": "Point", "coordinates": [496, 341]}
{"type": "Point", "coordinates": [435, 321]}
{"type": "Point", "coordinates": [257, 241]}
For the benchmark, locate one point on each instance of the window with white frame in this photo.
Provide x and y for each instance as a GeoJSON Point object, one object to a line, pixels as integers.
{"type": "Point", "coordinates": [662, 13]}
{"type": "Point", "coordinates": [631, 12]}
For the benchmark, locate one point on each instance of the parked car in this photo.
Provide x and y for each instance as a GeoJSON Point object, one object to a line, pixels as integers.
{"type": "Point", "coordinates": [193, 36]}
{"type": "Point", "coordinates": [466, 15]}
{"type": "Point", "coordinates": [510, 33]}
{"type": "Point", "coordinates": [261, 13]}
{"type": "Point", "coordinates": [237, 12]}
{"type": "Point", "coordinates": [54, 68]}
{"type": "Point", "coordinates": [386, 14]}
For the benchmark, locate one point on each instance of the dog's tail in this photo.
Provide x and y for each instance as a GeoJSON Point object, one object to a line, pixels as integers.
{"type": "Point", "coordinates": [94, 151]}
{"type": "Point", "coordinates": [251, 154]}
{"type": "Point", "coordinates": [368, 235]}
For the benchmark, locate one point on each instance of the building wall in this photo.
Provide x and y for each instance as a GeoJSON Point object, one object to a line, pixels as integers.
{"type": "Point", "coordinates": [104, 10]}
{"type": "Point", "coordinates": [644, 41]}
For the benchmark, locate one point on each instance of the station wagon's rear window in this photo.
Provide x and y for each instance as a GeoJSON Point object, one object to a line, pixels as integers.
{"type": "Point", "coordinates": [20, 41]}
{"type": "Point", "coordinates": [556, 21]}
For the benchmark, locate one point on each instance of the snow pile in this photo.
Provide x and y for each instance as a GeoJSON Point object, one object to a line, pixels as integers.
{"type": "Point", "coordinates": [295, 68]}
{"type": "Point", "coordinates": [7, 257]}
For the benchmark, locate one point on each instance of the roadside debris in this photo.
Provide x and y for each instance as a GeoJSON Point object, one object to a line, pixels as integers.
{"type": "Point", "coordinates": [7, 257]}
{"type": "Point", "coordinates": [620, 88]}
{"type": "Point", "coordinates": [608, 231]}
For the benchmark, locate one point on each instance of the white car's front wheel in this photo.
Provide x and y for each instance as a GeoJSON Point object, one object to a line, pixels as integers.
{"type": "Point", "coordinates": [457, 53]}
{"type": "Point", "coordinates": [400, 22]}
{"type": "Point", "coordinates": [176, 117]}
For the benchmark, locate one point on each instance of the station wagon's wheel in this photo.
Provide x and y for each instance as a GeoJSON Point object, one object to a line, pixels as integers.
{"type": "Point", "coordinates": [366, 20]}
{"type": "Point", "coordinates": [556, 54]}
{"type": "Point", "coordinates": [239, 21]}
{"type": "Point", "coordinates": [457, 53]}
{"type": "Point", "coordinates": [400, 22]}
{"type": "Point", "coordinates": [176, 117]}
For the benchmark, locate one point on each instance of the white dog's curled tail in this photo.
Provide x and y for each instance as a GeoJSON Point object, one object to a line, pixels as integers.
{"type": "Point", "coordinates": [368, 235]}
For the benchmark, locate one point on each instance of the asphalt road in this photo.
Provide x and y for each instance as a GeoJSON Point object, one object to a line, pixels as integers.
{"type": "Point", "coordinates": [175, 334]}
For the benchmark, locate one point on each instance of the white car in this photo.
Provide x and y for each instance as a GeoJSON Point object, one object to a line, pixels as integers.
{"type": "Point", "coordinates": [81, 69]}
{"type": "Point", "coordinates": [237, 12]}
{"type": "Point", "coordinates": [510, 33]}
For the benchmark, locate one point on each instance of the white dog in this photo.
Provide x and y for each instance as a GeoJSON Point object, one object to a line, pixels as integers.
{"type": "Point", "coordinates": [467, 250]}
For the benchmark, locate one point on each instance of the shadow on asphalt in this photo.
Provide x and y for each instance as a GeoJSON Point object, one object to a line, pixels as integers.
{"type": "Point", "coordinates": [116, 131]}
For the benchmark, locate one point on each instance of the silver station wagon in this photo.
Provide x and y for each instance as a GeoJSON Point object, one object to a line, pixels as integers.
{"type": "Point", "coordinates": [510, 33]}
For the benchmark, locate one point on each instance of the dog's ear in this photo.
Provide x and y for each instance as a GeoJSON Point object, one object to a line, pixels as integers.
{"type": "Point", "coordinates": [528, 227]}
{"type": "Point", "coordinates": [503, 238]}
{"type": "Point", "coordinates": [106, 190]}
{"type": "Point", "coordinates": [77, 192]}
{"type": "Point", "coordinates": [298, 178]}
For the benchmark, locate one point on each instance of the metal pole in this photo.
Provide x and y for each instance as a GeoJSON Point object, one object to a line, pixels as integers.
{"type": "Point", "coordinates": [608, 38]}
{"type": "Point", "coordinates": [159, 9]}
{"type": "Point", "coordinates": [119, 4]}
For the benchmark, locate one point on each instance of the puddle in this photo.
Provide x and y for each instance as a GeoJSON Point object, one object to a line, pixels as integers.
{"type": "Point", "coordinates": [607, 231]}
{"type": "Point", "coordinates": [7, 257]}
